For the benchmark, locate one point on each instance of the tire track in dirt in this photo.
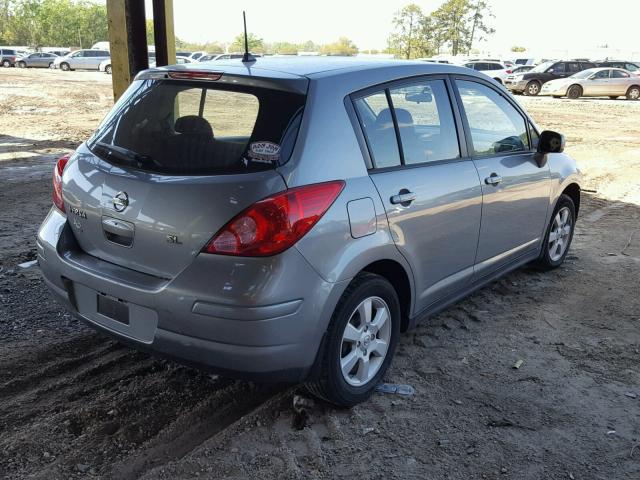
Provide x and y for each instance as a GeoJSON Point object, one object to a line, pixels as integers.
{"type": "Point", "coordinates": [89, 401]}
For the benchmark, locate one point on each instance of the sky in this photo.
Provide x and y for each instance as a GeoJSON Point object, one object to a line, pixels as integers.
{"type": "Point", "coordinates": [542, 25]}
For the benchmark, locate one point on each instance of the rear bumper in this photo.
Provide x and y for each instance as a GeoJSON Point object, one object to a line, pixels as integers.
{"type": "Point", "coordinates": [260, 319]}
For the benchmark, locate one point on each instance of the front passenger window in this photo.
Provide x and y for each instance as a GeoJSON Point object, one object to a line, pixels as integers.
{"type": "Point", "coordinates": [496, 126]}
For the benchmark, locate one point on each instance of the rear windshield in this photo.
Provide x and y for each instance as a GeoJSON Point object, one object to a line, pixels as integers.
{"type": "Point", "coordinates": [187, 128]}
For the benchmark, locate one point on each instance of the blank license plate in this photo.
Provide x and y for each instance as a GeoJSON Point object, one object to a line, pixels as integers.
{"type": "Point", "coordinates": [113, 308]}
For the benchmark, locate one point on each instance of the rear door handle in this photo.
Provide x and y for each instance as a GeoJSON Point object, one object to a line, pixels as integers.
{"type": "Point", "coordinates": [403, 198]}
{"type": "Point", "coordinates": [493, 179]}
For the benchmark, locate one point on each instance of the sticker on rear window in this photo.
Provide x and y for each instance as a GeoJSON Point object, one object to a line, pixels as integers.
{"type": "Point", "coordinates": [264, 152]}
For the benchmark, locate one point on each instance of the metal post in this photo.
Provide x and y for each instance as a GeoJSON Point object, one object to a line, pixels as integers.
{"type": "Point", "coordinates": [163, 32]}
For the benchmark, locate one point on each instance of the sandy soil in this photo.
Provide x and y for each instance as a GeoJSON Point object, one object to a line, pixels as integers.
{"type": "Point", "coordinates": [74, 404]}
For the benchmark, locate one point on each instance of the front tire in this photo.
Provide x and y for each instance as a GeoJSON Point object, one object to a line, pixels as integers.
{"type": "Point", "coordinates": [21, 65]}
{"type": "Point", "coordinates": [557, 239]}
{"type": "Point", "coordinates": [64, 66]}
{"type": "Point", "coordinates": [633, 93]}
{"type": "Point", "coordinates": [360, 342]}
{"type": "Point", "coordinates": [574, 92]}
{"type": "Point", "coordinates": [533, 88]}
{"type": "Point", "coordinates": [107, 69]}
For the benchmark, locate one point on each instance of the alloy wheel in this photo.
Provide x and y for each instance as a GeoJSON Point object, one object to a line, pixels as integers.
{"type": "Point", "coordinates": [634, 94]}
{"type": "Point", "coordinates": [365, 341]}
{"type": "Point", "coordinates": [560, 234]}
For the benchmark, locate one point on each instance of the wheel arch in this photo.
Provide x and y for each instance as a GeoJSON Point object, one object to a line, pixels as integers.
{"type": "Point", "coordinates": [575, 85]}
{"type": "Point", "coordinates": [398, 277]}
{"type": "Point", "coordinates": [635, 85]}
{"type": "Point", "coordinates": [573, 191]}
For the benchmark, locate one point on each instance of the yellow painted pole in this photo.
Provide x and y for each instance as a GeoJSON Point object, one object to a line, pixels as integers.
{"type": "Point", "coordinates": [119, 46]}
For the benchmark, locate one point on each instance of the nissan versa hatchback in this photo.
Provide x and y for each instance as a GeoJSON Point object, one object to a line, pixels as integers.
{"type": "Point", "coordinates": [287, 219]}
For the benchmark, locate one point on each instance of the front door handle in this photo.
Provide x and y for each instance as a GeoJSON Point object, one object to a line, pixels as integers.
{"type": "Point", "coordinates": [404, 198]}
{"type": "Point", "coordinates": [493, 179]}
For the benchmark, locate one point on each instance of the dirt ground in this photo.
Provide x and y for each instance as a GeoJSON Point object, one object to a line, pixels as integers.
{"type": "Point", "coordinates": [75, 404]}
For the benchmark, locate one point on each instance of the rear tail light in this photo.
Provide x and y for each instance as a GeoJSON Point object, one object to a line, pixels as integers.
{"type": "Point", "coordinates": [274, 224]}
{"type": "Point", "coordinates": [509, 71]}
{"type": "Point", "coordinates": [57, 181]}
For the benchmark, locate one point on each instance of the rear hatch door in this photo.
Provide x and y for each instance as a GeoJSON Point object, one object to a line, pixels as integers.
{"type": "Point", "coordinates": [172, 164]}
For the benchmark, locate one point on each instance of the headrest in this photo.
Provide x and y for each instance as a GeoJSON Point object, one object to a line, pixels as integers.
{"type": "Point", "coordinates": [194, 125]}
{"type": "Point", "coordinates": [384, 120]}
{"type": "Point", "coordinates": [404, 117]}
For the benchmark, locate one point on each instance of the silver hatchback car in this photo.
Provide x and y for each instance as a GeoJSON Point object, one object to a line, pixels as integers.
{"type": "Point", "coordinates": [287, 219]}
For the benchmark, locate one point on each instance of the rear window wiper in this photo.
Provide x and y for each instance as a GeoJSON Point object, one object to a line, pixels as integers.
{"type": "Point", "coordinates": [123, 155]}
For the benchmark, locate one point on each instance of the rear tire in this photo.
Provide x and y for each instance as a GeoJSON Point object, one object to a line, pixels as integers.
{"type": "Point", "coordinates": [50, 64]}
{"type": "Point", "coordinates": [64, 66]}
{"type": "Point", "coordinates": [574, 92]}
{"type": "Point", "coordinates": [360, 342]}
{"type": "Point", "coordinates": [533, 88]}
{"type": "Point", "coordinates": [21, 65]}
{"type": "Point", "coordinates": [107, 69]}
{"type": "Point", "coordinates": [6, 63]}
{"type": "Point", "coordinates": [633, 93]}
{"type": "Point", "coordinates": [557, 239]}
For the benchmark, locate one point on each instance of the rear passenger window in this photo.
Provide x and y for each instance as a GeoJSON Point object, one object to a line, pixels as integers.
{"type": "Point", "coordinates": [496, 126]}
{"type": "Point", "coordinates": [619, 74]}
{"type": "Point", "coordinates": [425, 121]}
{"type": "Point", "coordinates": [377, 123]}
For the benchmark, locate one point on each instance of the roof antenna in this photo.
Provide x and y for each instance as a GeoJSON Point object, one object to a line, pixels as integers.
{"type": "Point", "coordinates": [247, 57]}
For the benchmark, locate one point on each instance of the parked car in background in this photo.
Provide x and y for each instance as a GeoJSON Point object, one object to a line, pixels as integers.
{"type": "Point", "coordinates": [595, 82]}
{"type": "Point", "coordinates": [632, 67]}
{"type": "Point", "coordinates": [224, 56]}
{"type": "Point", "coordinates": [521, 69]}
{"type": "Point", "coordinates": [60, 52]}
{"type": "Point", "coordinates": [434, 60]}
{"type": "Point", "coordinates": [105, 65]}
{"type": "Point", "coordinates": [179, 61]}
{"type": "Point", "coordinates": [497, 71]}
{"type": "Point", "coordinates": [525, 61]}
{"type": "Point", "coordinates": [244, 246]}
{"type": "Point", "coordinates": [88, 59]}
{"type": "Point", "coordinates": [183, 54]}
{"type": "Point", "coordinates": [8, 57]}
{"type": "Point", "coordinates": [36, 60]}
{"type": "Point", "coordinates": [194, 56]}
{"type": "Point", "coordinates": [530, 83]}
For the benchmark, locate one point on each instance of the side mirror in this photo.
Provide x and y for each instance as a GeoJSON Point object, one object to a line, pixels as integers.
{"type": "Point", "coordinates": [549, 142]}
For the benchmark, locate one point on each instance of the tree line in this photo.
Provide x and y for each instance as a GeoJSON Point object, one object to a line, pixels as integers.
{"type": "Point", "coordinates": [455, 25]}
{"type": "Point", "coordinates": [38, 23]}
{"type": "Point", "coordinates": [81, 23]}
